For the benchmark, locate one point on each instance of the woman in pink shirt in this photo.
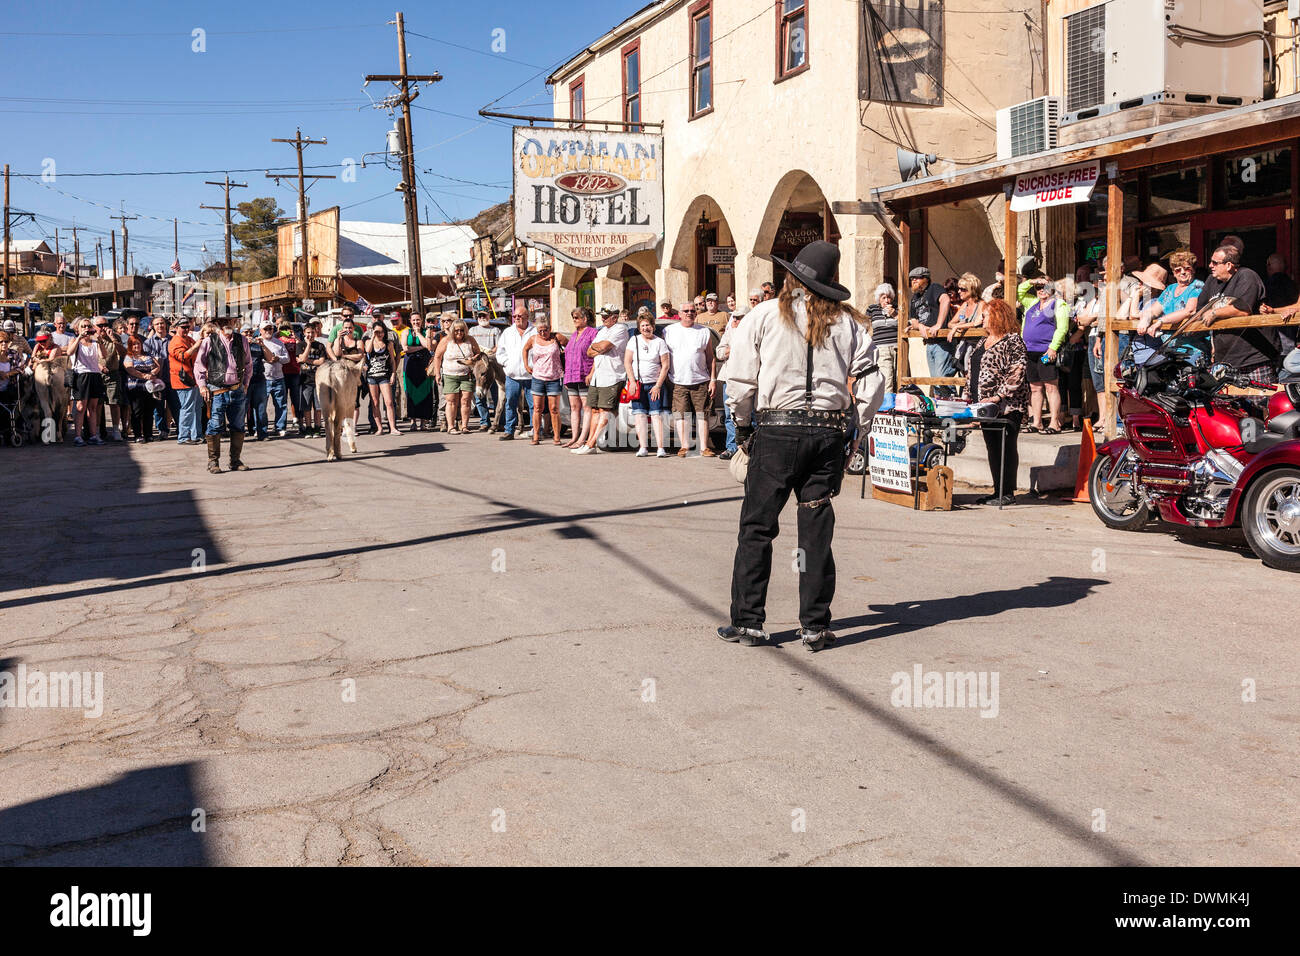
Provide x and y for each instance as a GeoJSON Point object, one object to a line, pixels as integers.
{"type": "Point", "coordinates": [544, 359]}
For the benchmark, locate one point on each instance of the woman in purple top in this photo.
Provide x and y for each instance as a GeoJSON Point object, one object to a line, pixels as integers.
{"type": "Point", "coordinates": [1047, 321]}
{"type": "Point", "coordinates": [577, 366]}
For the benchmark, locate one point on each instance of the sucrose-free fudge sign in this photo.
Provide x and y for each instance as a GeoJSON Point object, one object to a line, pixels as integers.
{"type": "Point", "coordinates": [589, 199]}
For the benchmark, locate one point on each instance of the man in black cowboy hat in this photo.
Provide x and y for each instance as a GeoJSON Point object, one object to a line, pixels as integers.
{"type": "Point", "coordinates": [789, 366]}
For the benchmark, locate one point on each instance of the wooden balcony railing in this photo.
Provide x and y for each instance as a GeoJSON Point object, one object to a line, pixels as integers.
{"type": "Point", "coordinates": [283, 287]}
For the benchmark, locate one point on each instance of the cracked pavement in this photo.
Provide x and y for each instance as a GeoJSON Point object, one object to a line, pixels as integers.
{"type": "Point", "coordinates": [317, 664]}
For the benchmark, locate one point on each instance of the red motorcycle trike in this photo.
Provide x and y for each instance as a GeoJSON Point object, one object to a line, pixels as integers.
{"type": "Point", "coordinates": [1194, 456]}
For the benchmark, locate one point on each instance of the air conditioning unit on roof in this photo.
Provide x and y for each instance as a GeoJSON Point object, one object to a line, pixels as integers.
{"type": "Point", "coordinates": [1028, 127]}
{"type": "Point", "coordinates": [1120, 54]}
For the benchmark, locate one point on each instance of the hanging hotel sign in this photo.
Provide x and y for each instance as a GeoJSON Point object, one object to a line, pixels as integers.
{"type": "Point", "coordinates": [588, 198]}
{"type": "Point", "coordinates": [1055, 187]}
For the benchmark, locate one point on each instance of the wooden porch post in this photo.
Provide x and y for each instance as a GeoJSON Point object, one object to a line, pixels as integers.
{"type": "Point", "coordinates": [1114, 270]}
{"type": "Point", "coordinates": [902, 368]}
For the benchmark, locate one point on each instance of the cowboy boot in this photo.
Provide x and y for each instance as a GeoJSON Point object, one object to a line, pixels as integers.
{"type": "Point", "coordinates": [236, 446]}
{"type": "Point", "coordinates": [214, 454]}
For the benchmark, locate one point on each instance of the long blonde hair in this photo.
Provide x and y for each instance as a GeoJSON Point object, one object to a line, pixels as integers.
{"type": "Point", "coordinates": [822, 312]}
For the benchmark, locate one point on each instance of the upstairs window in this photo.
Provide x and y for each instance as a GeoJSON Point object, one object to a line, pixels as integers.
{"type": "Point", "coordinates": [791, 37]}
{"type": "Point", "coordinates": [701, 58]}
{"type": "Point", "coordinates": [578, 101]}
{"type": "Point", "coordinates": [632, 85]}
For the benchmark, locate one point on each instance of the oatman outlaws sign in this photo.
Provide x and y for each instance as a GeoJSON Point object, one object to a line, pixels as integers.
{"type": "Point", "coordinates": [588, 198]}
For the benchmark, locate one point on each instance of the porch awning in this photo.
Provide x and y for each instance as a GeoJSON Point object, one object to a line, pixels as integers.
{"type": "Point", "coordinates": [1242, 128]}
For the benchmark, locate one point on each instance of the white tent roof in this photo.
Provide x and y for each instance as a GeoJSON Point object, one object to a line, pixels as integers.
{"type": "Point", "coordinates": [27, 245]}
{"type": "Point", "coordinates": [379, 248]}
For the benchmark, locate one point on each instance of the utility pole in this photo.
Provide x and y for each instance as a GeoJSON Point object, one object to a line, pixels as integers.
{"type": "Point", "coordinates": [99, 260]}
{"type": "Point", "coordinates": [6, 229]}
{"type": "Point", "coordinates": [126, 238]}
{"type": "Point", "coordinates": [59, 259]}
{"type": "Point", "coordinates": [112, 238]}
{"type": "Point", "coordinates": [406, 95]}
{"type": "Point", "coordinates": [298, 143]}
{"type": "Point", "coordinates": [176, 243]}
{"type": "Point", "coordinates": [76, 256]}
{"type": "Point", "coordinates": [227, 185]}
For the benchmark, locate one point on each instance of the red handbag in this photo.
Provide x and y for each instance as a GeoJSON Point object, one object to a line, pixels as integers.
{"type": "Point", "coordinates": [632, 390]}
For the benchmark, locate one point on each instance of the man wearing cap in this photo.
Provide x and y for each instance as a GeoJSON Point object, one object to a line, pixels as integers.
{"type": "Point", "coordinates": [608, 373]}
{"type": "Point", "coordinates": [789, 365]}
{"type": "Point", "coordinates": [510, 353]}
{"type": "Point", "coordinates": [723, 352]}
{"type": "Point", "coordinates": [223, 368]}
{"type": "Point", "coordinates": [929, 314]}
{"type": "Point", "coordinates": [181, 351]}
{"type": "Point", "coordinates": [712, 316]}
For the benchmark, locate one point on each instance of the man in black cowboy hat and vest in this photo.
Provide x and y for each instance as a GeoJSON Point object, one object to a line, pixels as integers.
{"type": "Point", "coordinates": [223, 369]}
{"type": "Point", "coordinates": [790, 363]}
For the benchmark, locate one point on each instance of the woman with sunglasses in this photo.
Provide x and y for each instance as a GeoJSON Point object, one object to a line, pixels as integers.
{"type": "Point", "coordinates": [1176, 303]}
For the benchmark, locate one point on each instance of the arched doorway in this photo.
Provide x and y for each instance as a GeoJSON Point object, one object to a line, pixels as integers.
{"type": "Point", "coordinates": [706, 249]}
{"type": "Point", "coordinates": [797, 214]}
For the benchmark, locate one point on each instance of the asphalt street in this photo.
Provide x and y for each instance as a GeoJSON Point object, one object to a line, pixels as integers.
{"type": "Point", "coordinates": [452, 650]}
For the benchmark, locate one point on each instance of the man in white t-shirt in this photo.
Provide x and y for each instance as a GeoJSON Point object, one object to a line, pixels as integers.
{"type": "Point", "coordinates": [605, 382]}
{"type": "Point", "coordinates": [510, 353]}
{"type": "Point", "coordinates": [694, 377]}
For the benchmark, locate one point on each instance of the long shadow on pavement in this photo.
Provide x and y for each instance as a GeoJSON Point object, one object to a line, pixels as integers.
{"type": "Point", "coordinates": [142, 818]}
{"type": "Point", "coordinates": [79, 514]}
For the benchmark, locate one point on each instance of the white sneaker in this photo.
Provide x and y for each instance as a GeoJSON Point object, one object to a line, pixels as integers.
{"type": "Point", "coordinates": [586, 450]}
{"type": "Point", "coordinates": [643, 453]}
{"type": "Point", "coordinates": [662, 454]}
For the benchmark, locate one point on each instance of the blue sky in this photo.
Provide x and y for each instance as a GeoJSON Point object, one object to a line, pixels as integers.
{"type": "Point", "coordinates": [112, 87]}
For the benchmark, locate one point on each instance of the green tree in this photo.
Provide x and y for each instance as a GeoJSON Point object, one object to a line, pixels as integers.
{"type": "Point", "coordinates": [256, 258]}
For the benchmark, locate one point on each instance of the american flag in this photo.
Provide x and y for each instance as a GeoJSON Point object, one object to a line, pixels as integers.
{"type": "Point", "coordinates": [176, 264]}
{"type": "Point", "coordinates": [63, 265]}
{"type": "Point", "coordinates": [365, 306]}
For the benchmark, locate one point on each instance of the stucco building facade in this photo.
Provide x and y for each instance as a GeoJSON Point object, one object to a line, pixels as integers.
{"type": "Point", "coordinates": [771, 112]}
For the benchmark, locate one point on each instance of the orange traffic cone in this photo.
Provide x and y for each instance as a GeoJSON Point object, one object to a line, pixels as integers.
{"type": "Point", "coordinates": [1087, 453]}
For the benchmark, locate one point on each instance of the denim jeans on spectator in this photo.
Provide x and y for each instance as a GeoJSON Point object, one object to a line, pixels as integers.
{"type": "Point", "coordinates": [275, 387]}
{"type": "Point", "coordinates": [293, 388]}
{"type": "Point", "coordinates": [481, 406]}
{"type": "Point", "coordinates": [187, 417]}
{"type": "Point", "coordinates": [514, 387]}
{"type": "Point", "coordinates": [257, 407]}
{"type": "Point", "coordinates": [228, 411]}
{"type": "Point", "coordinates": [731, 425]}
{"type": "Point", "coordinates": [939, 356]}
{"type": "Point", "coordinates": [170, 403]}
{"type": "Point", "coordinates": [1097, 366]}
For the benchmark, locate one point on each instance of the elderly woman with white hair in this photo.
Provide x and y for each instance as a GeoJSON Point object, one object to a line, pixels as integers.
{"type": "Point", "coordinates": [883, 313]}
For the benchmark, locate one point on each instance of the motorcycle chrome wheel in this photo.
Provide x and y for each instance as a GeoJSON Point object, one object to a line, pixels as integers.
{"type": "Point", "coordinates": [1111, 493]}
{"type": "Point", "coordinates": [1271, 518]}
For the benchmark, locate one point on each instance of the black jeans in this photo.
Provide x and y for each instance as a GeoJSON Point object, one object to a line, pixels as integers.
{"type": "Point", "coordinates": [143, 406]}
{"type": "Point", "coordinates": [994, 438]}
{"type": "Point", "coordinates": [809, 462]}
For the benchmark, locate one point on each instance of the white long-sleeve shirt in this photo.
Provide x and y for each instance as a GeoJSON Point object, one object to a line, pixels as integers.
{"type": "Point", "coordinates": [768, 362]}
{"type": "Point", "coordinates": [510, 351]}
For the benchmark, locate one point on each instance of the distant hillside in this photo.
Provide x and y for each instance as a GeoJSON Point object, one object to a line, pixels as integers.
{"type": "Point", "coordinates": [494, 221]}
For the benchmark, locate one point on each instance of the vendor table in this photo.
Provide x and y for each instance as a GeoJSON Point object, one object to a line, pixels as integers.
{"type": "Point", "coordinates": [924, 428]}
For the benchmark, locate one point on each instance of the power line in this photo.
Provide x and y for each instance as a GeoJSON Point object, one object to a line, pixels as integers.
{"type": "Point", "coordinates": [186, 172]}
{"type": "Point", "coordinates": [189, 33]}
{"type": "Point", "coordinates": [470, 49]}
